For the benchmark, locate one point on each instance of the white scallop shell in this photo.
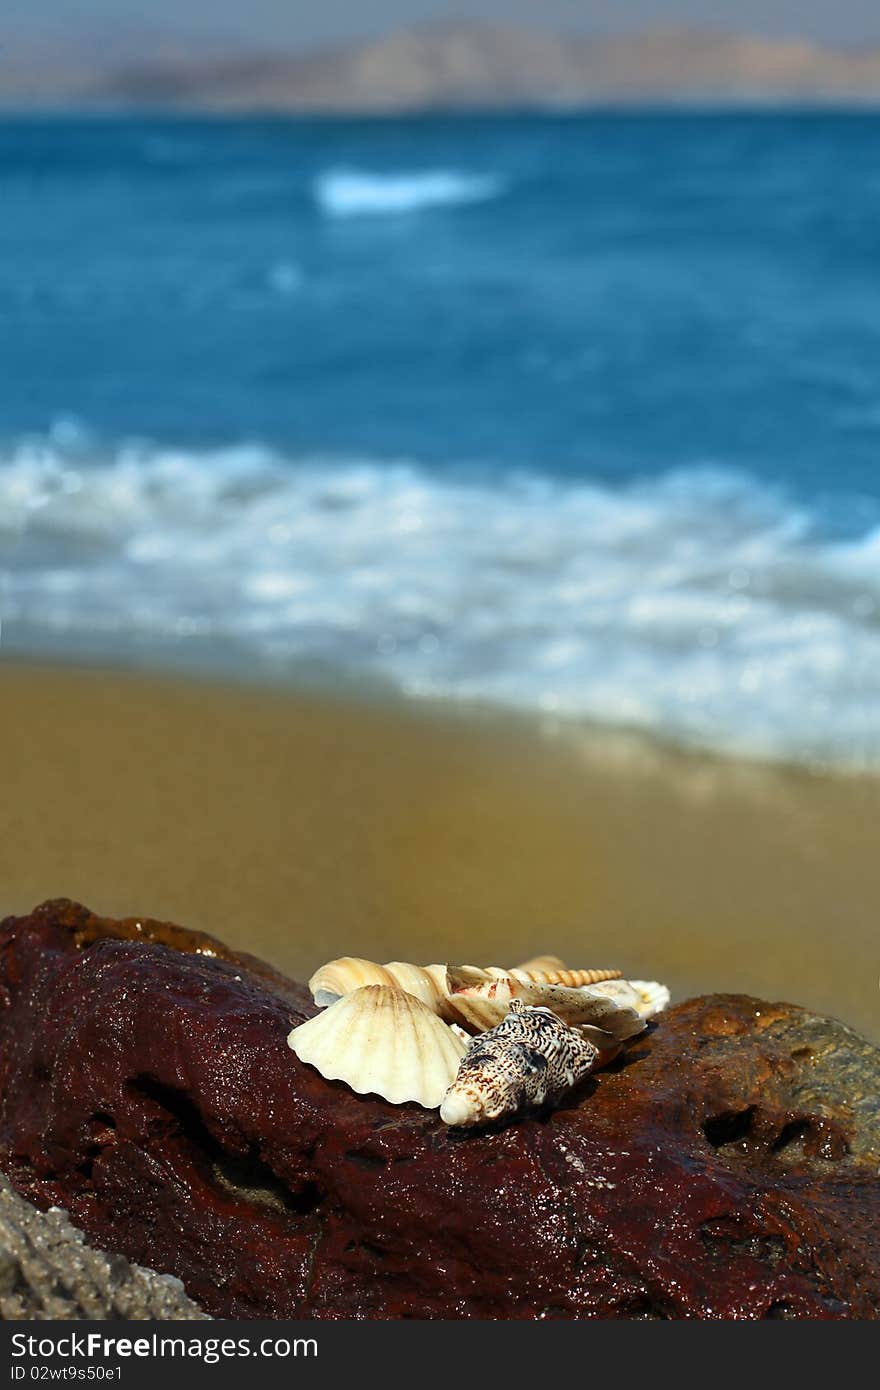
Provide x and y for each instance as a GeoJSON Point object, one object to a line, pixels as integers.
{"type": "Point", "coordinates": [426, 982]}
{"type": "Point", "coordinates": [381, 1040]}
{"type": "Point", "coordinates": [464, 994]}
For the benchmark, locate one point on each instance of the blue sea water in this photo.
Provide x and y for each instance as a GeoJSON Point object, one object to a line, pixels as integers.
{"type": "Point", "coordinates": [574, 414]}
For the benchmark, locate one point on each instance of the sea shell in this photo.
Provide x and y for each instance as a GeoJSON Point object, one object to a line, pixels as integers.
{"type": "Point", "coordinates": [435, 985]}
{"type": "Point", "coordinates": [532, 1058]}
{"type": "Point", "coordinates": [339, 977]}
{"type": "Point", "coordinates": [653, 997]}
{"type": "Point", "coordinates": [572, 979]}
{"type": "Point", "coordinates": [482, 1004]}
{"type": "Point", "coordinates": [530, 974]}
{"type": "Point", "coordinates": [380, 1039]}
{"type": "Point", "coordinates": [647, 997]}
{"type": "Point", "coordinates": [426, 982]}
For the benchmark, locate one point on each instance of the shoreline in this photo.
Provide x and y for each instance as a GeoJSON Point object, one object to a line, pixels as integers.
{"type": "Point", "coordinates": [223, 666]}
{"type": "Point", "coordinates": [299, 824]}
{"type": "Point", "coordinates": [833, 104]}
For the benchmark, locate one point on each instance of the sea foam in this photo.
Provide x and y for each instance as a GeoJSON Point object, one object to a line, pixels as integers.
{"type": "Point", "coordinates": [359, 192]}
{"type": "Point", "coordinates": [702, 606]}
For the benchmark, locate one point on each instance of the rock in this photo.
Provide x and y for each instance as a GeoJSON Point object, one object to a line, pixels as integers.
{"type": "Point", "coordinates": [48, 1272]}
{"type": "Point", "coordinates": [726, 1166]}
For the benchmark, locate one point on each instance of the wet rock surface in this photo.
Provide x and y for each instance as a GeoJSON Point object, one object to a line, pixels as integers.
{"type": "Point", "coordinates": [726, 1166]}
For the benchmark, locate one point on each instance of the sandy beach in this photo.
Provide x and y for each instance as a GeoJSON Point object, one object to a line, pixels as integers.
{"type": "Point", "coordinates": [301, 826]}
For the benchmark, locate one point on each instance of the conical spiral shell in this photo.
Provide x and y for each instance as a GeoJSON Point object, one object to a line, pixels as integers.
{"type": "Point", "coordinates": [498, 1076]}
{"type": "Point", "coordinates": [572, 979]}
{"type": "Point", "coordinates": [440, 988]}
{"type": "Point", "coordinates": [548, 975]}
{"type": "Point", "coordinates": [381, 1040]}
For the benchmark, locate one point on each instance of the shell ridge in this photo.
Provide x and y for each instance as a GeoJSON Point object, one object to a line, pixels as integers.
{"type": "Point", "coordinates": [381, 1040]}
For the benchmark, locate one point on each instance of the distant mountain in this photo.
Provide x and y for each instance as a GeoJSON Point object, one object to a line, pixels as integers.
{"type": "Point", "coordinates": [458, 66]}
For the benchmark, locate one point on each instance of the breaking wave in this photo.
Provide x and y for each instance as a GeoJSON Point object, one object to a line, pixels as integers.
{"type": "Point", "coordinates": [703, 606]}
{"type": "Point", "coordinates": [360, 193]}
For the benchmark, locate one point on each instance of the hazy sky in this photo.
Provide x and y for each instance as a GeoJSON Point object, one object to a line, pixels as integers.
{"type": "Point", "coordinates": [304, 22]}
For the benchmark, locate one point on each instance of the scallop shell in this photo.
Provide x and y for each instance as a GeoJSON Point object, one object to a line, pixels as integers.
{"type": "Point", "coordinates": [426, 982]}
{"type": "Point", "coordinates": [430, 983]}
{"type": "Point", "coordinates": [381, 1040]}
{"type": "Point", "coordinates": [339, 977]}
{"type": "Point", "coordinates": [532, 1058]}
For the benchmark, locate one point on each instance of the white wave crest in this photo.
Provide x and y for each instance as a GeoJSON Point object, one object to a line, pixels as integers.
{"type": "Point", "coordinates": [703, 605]}
{"type": "Point", "coordinates": [359, 192]}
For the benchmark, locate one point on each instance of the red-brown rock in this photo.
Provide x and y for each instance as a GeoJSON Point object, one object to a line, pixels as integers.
{"type": "Point", "coordinates": [725, 1167]}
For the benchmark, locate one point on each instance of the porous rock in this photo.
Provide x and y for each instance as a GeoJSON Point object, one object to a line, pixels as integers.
{"type": "Point", "coordinates": [726, 1166]}
{"type": "Point", "coordinates": [47, 1271]}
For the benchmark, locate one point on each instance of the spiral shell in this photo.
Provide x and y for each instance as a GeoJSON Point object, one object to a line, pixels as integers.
{"type": "Point", "coordinates": [339, 977]}
{"type": "Point", "coordinates": [429, 982]}
{"type": "Point", "coordinates": [477, 997]}
{"type": "Point", "coordinates": [531, 1058]}
{"type": "Point", "coordinates": [380, 1039]}
{"type": "Point", "coordinates": [571, 979]}
{"type": "Point", "coordinates": [529, 974]}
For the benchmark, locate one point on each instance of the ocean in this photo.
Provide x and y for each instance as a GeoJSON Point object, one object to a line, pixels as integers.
{"type": "Point", "coordinates": [573, 415]}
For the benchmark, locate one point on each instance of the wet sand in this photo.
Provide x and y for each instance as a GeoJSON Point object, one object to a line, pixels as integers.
{"type": "Point", "coordinates": [303, 826]}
